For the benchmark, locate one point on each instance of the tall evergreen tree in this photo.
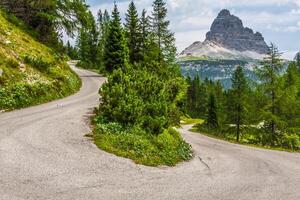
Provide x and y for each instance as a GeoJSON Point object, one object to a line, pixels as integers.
{"type": "Point", "coordinates": [162, 36]}
{"type": "Point", "coordinates": [87, 43]}
{"type": "Point", "coordinates": [212, 115]}
{"type": "Point", "coordinates": [115, 51]}
{"type": "Point", "coordinates": [238, 99]}
{"type": "Point", "coordinates": [71, 51]}
{"type": "Point", "coordinates": [93, 41]}
{"type": "Point", "coordinates": [145, 33]}
{"type": "Point", "coordinates": [297, 60]}
{"type": "Point", "coordinates": [269, 75]}
{"type": "Point", "coordinates": [133, 34]}
{"type": "Point", "coordinates": [103, 20]}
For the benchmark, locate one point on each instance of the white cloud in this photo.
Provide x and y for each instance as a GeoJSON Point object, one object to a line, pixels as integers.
{"type": "Point", "coordinates": [277, 20]}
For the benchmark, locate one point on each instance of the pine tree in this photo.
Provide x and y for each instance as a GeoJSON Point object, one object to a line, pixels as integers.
{"type": "Point", "coordinates": [297, 60]}
{"type": "Point", "coordinates": [71, 51]}
{"type": "Point", "coordinates": [99, 20]}
{"type": "Point", "coordinates": [93, 41]}
{"type": "Point", "coordinates": [203, 100]}
{"type": "Point", "coordinates": [115, 51]}
{"type": "Point", "coordinates": [212, 115]}
{"type": "Point", "coordinates": [103, 20]}
{"type": "Point", "coordinates": [238, 99]}
{"type": "Point", "coordinates": [133, 34]}
{"type": "Point", "coordinates": [83, 45]}
{"type": "Point", "coordinates": [269, 75]}
{"type": "Point", "coordinates": [145, 33]}
{"type": "Point", "coordinates": [87, 43]}
{"type": "Point", "coordinates": [162, 36]}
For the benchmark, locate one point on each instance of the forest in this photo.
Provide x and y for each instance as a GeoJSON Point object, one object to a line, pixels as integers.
{"type": "Point", "coordinates": [265, 114]}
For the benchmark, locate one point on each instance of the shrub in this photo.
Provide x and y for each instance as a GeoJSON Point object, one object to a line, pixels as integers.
{"type": "Point", "coordinates": [142, 98]}
{"type": "Point", "coordinates": [37, 62]}
{"type": "Point", "coordinates": [291, 141]}
{"type": "Point", "coordinates": [167, 148]}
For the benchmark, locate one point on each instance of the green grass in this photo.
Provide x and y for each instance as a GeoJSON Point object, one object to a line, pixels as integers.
{"type": "Point", "coordinates": [32, 72]}
{"type": "Point", "coordinates": [187, 121]}
{"type": "Point", "coordinates": [167, 148]}
{"type": "Point", "coordinates": [217, 136]}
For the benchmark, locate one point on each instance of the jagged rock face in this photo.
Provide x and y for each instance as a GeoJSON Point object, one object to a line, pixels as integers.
{"type": "Point", "coordinates": [228, 31]}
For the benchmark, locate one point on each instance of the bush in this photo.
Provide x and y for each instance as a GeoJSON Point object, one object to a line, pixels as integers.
{"type": "Point", "coordinates": [167, 148]}
{"type": "Point", "coordinates": [142, 98]}
{"type": "Point", "coordinates": [37, 62]}
{"type": "Point", "coordinates": [291, 141]}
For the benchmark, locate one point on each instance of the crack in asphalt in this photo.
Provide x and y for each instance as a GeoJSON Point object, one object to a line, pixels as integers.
{"type": "Point", "coordinates": [204, 163]}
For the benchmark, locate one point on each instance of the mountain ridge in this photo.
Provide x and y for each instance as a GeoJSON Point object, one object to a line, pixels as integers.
{"type": "Point", "coordinates": [229, 39]}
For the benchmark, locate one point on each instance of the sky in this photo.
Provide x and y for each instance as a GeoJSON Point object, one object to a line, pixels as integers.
{"type": "Point", "coordinates": [277, 20]}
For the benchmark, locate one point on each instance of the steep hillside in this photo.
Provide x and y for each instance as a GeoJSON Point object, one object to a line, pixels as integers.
{"type": "Point", "coordinates": [30, 72]}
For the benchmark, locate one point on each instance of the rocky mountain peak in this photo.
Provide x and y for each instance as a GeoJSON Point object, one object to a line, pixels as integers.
{"type": "Point", "coordinates": [228, 31]}
{"type": "Point", "coordinates": [224, 13]}
{"type": "Point", "coordinates": [297, 56]}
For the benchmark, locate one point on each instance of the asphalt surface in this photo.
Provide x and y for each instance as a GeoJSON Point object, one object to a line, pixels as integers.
{"type": "Point", "coordinates": [44, 155]}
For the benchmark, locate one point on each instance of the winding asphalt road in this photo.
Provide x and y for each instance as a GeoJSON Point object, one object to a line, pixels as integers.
{"type": "Point", "coordinates": [44, 155]}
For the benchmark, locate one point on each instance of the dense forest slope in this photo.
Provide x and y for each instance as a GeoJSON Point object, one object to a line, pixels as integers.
{"type": "Point", "coordinates": [30, 72]}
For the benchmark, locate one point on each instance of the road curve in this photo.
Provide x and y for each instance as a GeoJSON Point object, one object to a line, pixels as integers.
{"type": "Point", "coordinates": [44, 155]}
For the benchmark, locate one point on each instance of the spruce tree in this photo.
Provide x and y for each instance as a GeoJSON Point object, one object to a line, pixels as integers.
{"type": "Point", "coordinates": [99, 19]}
{"type": "Point", "coordinates": [162, 36]}
{"type": "Point", "coordinates": [133, 34]}
{"type": "Point", "coordinates": [71, 51]}
{"type": "Point", "coordinates": [83, 45]}
{"type": "Point", "coordinates": [145, 33]}
{"type": "Point", "coordinates": [103, 20]}
{"type": "Point", "coordinates": [115, 51]}
{"type": "Point", "coordinates": [238, 99]}
{"type": "Point", "coordinates": [212, 115]}
{"type": "Point", "coordinates": [93, 40]}
{"type": "Point", "coordinates": [297, 60]}
{"type": "Point", "coordinates": [269, 75]}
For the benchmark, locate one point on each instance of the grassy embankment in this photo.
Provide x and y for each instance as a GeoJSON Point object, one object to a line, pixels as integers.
{"type": "Point", "coordinates": [167, 148]}
{"type": "Point", "coordinates": [30, 72]}
{"type": "Point", "coordinates": [248, 138]}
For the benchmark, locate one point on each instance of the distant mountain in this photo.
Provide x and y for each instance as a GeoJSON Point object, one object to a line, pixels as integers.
{"type": "Point", "coordinates": [297, 56]}
{"type": "Point", "coordinates": [228, 44]}
{"type": "Point", "coordinates": [229, 39]}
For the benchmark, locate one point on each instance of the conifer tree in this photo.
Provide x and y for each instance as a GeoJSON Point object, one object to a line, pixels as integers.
{"type": "Point", "coordinates": [133, 34]}
{"type": "Point", "coordinates": [103, 20]}
{"type": "Point", "coordinates": [269, 75]}
{"type": "Point", "coordinates": [87, 43]}
{"type": "Point", "coordinates": [115, 51]}
{"type": "Point", "coordinates": [145, 33]}
{"type": "Point", "coordinates": [238, 108]}
{"type": "Point", "coordinates": [297, 60]}
{"type": "Point", "coordinates": [162, 36]}
{"type": "Point", "coordinates": [93, 40]}
{"type": "Point", "coordinates": [99, 19]}
{"type": "Point", "coordinates": [212, 115]}
{"type": "Point", "coordinates": [83, 45]}
{"type": "Point", "coordinates": [71, 51]}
